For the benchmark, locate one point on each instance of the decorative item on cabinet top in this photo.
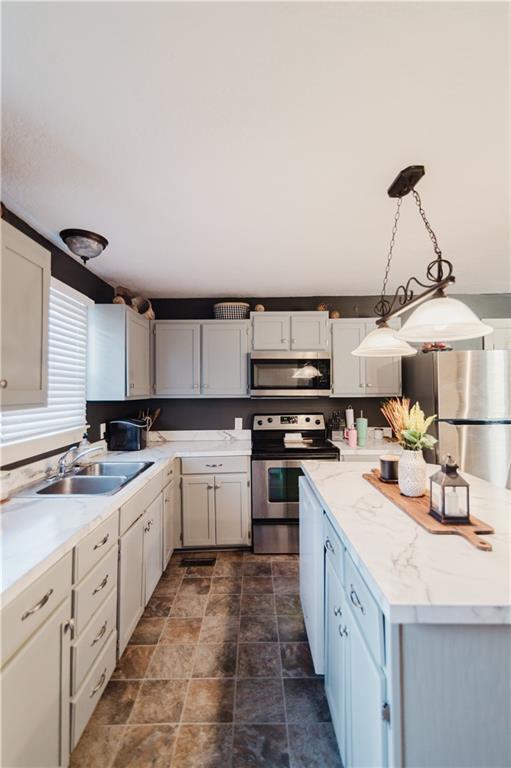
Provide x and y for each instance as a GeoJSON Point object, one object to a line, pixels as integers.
{"type": "Point", "coordinates": [138, 303]}
{"type": "Point", "coordinates": [231, 310]}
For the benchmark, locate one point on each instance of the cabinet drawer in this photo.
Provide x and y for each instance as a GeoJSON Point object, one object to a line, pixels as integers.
{"type": "Point", "coordinates": [93, 547]}
{"type": "Point", "coordinates": [365, 609]}
{"type": "Point", "coordinates": [138, 504]}
{"type": "Point", "coordinates": [28, 611]}
{"type": "Point", "coordinates": [83, 704]}
{"type": "Point", "coordinates": [92, 591]}
{"type": "Point", "coordinates": [212, 465]}
{"type": "Point", "coordinates": [334, 548]}
{"type": "Point", "coordinates": [92, 640]}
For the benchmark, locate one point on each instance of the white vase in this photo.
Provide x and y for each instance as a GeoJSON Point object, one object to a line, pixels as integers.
{"type": "Point", "coordinates": [412, 475]}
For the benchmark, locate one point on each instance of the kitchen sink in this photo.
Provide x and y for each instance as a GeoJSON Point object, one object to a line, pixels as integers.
{"type": "Point", "coordinates": [129, 469]}
{"type": "Point", "coordinates": [102, 477]}
{"type": "Point", "coordinates": [74, 485]}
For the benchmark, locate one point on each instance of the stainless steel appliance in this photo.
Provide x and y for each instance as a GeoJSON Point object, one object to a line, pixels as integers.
{"type": "Point", "coordinates": [471, 394]}
{"type": "Point", "coordinates": [288, 374]}
{"type": "Point", "coordinates": [275, 473]}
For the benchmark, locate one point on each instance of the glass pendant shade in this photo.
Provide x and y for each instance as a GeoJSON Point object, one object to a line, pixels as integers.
{"type": "Point", "coordinates": [443, 319]}
{"type": "Point", "coordinates": [383, 342]}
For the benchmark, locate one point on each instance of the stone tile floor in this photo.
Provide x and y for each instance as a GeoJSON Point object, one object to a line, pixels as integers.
{"type": "Point", "coordinates": [218, 674]}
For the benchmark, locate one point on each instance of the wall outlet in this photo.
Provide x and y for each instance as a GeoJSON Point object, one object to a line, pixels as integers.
{"type": "Point", "coordinates": [238, 423]}
{"type": "Point", "coordinates": [102, 430]}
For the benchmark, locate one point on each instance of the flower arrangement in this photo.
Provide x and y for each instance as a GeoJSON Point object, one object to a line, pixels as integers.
{"type": "Point", "coordinates": [409, 424]}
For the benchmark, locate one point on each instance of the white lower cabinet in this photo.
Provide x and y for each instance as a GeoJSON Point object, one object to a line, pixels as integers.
{"type": "Point", "coordinates": [35, 697]}
{"type": "Point", "coordinates": [198, 510]}
{"type": "Point", "coordinates": [364, 682]}
{"type": "Point", "coordinates": [131, 577]}
{"type": "Point", "coordinates": [231, 509]}
{"type": "Point", "coordinates": [169, 512]}
{"type": "Point", "coordinates": [153, 520]}
{"type": "Point", "coordinates": [354, 681]}
{"type": "Point", "coordinates": [311, 572]}
{"type": "Point", "coordinates": [215, 507]}
{"type": "Point", "coordinates": [335, 655]}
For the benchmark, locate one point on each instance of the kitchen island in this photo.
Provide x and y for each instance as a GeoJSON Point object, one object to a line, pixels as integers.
{"type": "Point", "coordinates": [412, 630]}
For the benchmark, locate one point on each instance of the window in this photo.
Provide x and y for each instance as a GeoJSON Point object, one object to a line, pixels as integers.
{"type": "Point", "coordinates": [26, 432]}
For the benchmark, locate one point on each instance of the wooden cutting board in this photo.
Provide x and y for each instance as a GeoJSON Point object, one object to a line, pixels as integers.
{"type": "Point", "coordinates": [418, 510]}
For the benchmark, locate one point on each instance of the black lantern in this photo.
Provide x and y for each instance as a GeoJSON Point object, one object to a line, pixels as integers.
{"type": "Point", "coordinates": [449, 499]}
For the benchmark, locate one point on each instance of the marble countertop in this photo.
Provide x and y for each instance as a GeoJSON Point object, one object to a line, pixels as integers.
{"type": "Point", "coordinates": [371, 448]}
{"type": "Point", "coordinates": [37, 532]}
{"type": "Point", "coordinates": [415, 576]}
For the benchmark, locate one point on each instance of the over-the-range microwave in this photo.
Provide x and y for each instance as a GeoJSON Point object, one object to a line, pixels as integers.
{"type": "Point", "coordinates": [290, 374]}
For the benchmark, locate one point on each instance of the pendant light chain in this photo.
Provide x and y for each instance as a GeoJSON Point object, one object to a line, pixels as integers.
{"type": "Point", "coordinates": [381, 307]}
{"type": "Point", "coordinates": [426, 223]}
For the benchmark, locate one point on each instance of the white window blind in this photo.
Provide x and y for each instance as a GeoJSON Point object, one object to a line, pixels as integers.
{"type": "Point", "coordinates": [26, 432]}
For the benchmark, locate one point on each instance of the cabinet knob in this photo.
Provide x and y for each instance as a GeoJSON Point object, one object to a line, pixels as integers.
{"type": "Point", "coordinates": [3, 383]}
{"type": "Point", "coordinates": [283, 341]}
{"type": "Point", "coordinates": [356, 600]}
{"type": "Point", "coordinates": [369, 385]}
{"type": "Point", "coordinates": [329, 545]}
{"type": "Point", "coordinates": [337, 612]}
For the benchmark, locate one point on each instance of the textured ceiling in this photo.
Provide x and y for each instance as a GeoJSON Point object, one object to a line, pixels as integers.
{"type": "Point", "coordinates": [245, 149]}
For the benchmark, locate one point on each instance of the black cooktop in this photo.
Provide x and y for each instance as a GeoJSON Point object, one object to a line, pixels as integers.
{"type": "Point", "coordinates": [275, 449]}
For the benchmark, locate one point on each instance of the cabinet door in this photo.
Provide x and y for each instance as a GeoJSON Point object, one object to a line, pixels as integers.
{"type": "Point", "coordinates": [382, 374]}
{"type": "Point", "coordinates": [367, 731]}
{"type": "Point", "coordinates": [311, 572]}
{"type": "Point", "coordinates": [198, 510]}
{"type": "Point", "coordinates": [177, 359]}
{"type": "Point", "coordinates": [152, 546]}
{"type": "Point", "coordinates": [347, 369]}
{"type": "Point", "coordinates": [35, 695]}
{"type": "Point", "coordinates": [169, 542]}
{"type": "Point", "coordinates": [224, 359]}
{"type": "Point", "coordinates": [137, 355]}
{"type": "Point", "coordinates": [336, 657]}
{"type": "Point", "coordinates": [309, 331]}
{"type": "Point", "coordinates": [25, 290]}
{"type": "Point", "coordinates": [500, 338]}
{"type": "Point", "coordinates": [130, 583]}
{"type": "Point", "coordinates": [231, 509]}
{"type": "Point", "coordinates": [271, 330]}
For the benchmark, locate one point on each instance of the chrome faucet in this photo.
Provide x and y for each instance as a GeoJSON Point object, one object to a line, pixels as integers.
{"type": "Point", "coordinates": [63, 467]}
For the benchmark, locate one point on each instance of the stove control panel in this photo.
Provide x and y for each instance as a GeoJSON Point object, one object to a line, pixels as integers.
{"type": "Point", "coordinates": [289, 422]}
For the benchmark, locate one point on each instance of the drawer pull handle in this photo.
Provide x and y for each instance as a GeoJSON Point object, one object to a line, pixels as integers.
{"type": "Point", "coordinates": [42, 602]}
{"type": "Point", "coordinates": [99, 684]}
{"type": "Point", "coordinates": [100, 634]}
{"type": "Point", "coordinates": [101, 586]}
{"type": "Point", "coordinates": [355, 600]}
{"type": "Point", "coordinates": [329, 546]}
{"type": "Point", "coordinates": [214, 465]}
{"type": "Point", "coordinates": [102, 542]}
{"type": "Point", "coordinates": [343, 631]}
{"type": "Point", "coordinates": [337, 612]}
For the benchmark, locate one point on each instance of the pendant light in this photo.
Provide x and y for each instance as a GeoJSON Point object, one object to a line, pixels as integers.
{"type": "Point", "coordinates": [83, 243]}
{"type": "Point", "coordinates": [383, 341]}
{"type": "Point", "coordinates": [436, 321]}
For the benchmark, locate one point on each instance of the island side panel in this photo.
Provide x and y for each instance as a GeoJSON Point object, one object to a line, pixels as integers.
{"type": "Point", "coordinates": [456, 696]}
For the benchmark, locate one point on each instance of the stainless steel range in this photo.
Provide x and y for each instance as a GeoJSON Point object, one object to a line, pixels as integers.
{"type": "Point", "coordinates": [275, 473]}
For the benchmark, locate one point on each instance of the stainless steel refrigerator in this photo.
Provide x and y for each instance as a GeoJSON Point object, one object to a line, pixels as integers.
{"type": "Point", "coordinates": [471, 394]}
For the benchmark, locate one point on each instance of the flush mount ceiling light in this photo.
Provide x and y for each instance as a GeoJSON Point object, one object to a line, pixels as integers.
{"type": "Point", "coordinates": [439, 320]}
{"type": "Point", "coordinates": [87, 245]}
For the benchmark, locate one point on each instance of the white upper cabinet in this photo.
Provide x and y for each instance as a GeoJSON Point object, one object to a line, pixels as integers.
{"type": "Point", "coordinates": [25, 290]}
{"type": "Point", "coordinates": [309, 331]}
{"type": "Point", "coordinates": [176, 358]}
{"type": "Point", "coordinates": [206, 358]}
{"type": "Point", "coordinates": [224, 370]}
{"type": "Point", "coordinates": [271, 331]}
{"type": "Point", "coordinates": [137, 355]}
{"type": "Point", "coordinates": [359, 376]}
{"type": "Point", "coordinates": [118, 353]}
{"type": "Point", "coordinates": [299, 331]}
